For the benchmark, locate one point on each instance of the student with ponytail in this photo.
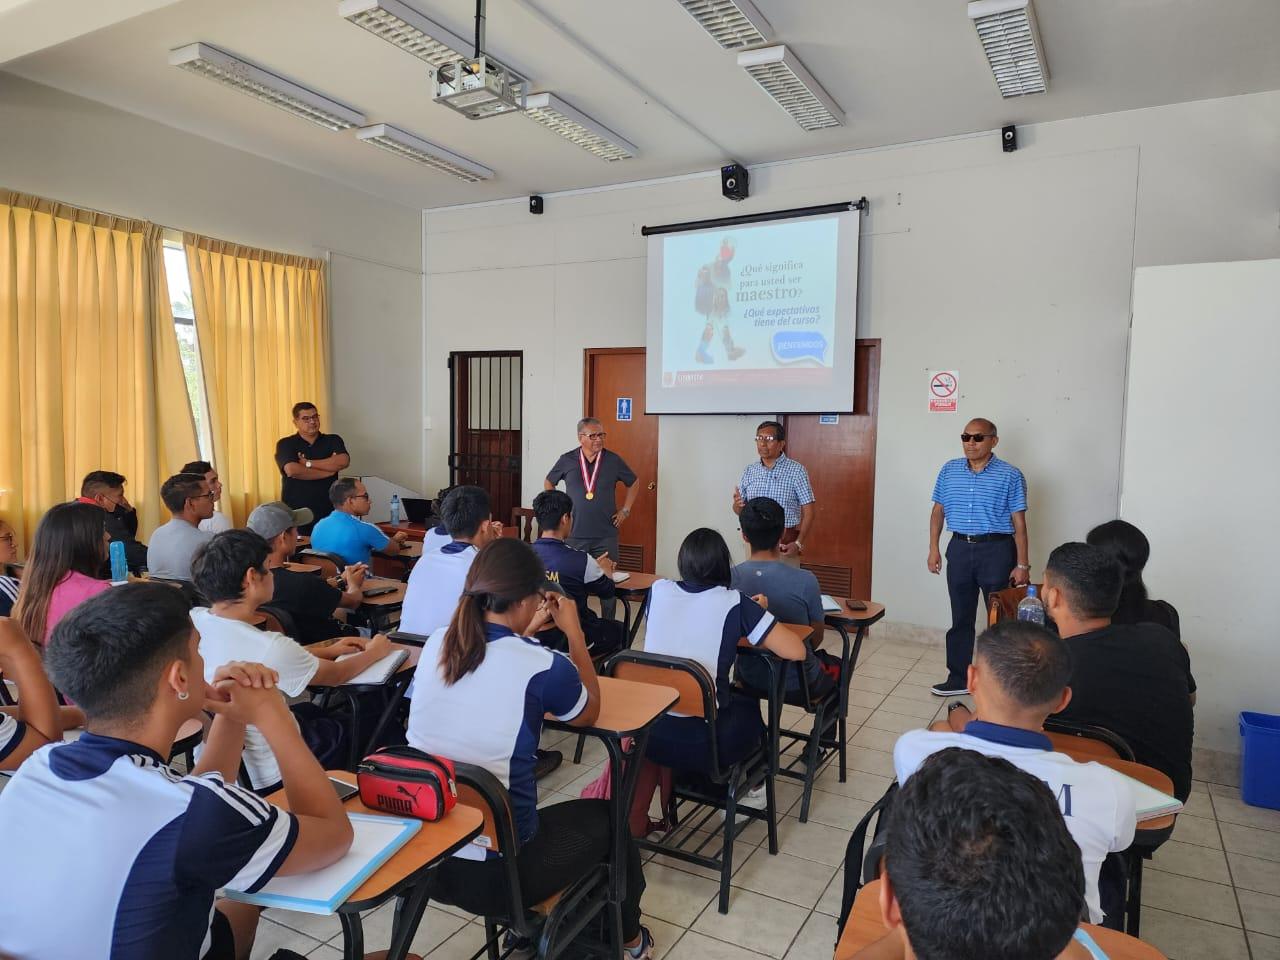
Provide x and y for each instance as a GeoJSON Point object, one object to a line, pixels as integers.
{"type": "Point", "coordinates": [481, 691]}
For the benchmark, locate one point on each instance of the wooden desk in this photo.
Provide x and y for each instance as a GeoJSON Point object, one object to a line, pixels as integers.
{"type": "Point", "coordinates": [865, 927]}
{"type": "Point", "coordinates": [1141, 772]}
{"type": "Point", "coordinates": [403, 876]}
{"type": "Point", "coordinates": [636, 587]}
{"type": "Point", "coordinates": [414, 531]}
{"type": "Point", "coordinates": [627, 710]}
{"type": "Point", "coordinates": [301, 567]}
{"type": "Point", "coordinates": [377, 610]}
{"type": "Point", "coordinates": [304, 541]}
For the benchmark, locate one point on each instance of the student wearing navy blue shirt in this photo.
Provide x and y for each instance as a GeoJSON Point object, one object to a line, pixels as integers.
{"type": "Point", "coordinates": [700, 618]}
{"type": "Point", "coordinates": [578, 573]}
{"type": "Point", "coordinates": [484, 702]}
{"type": "Point", "coordinates": [157, 845]}
{"type": "Point", "coordinates": [36, 720]}
{"type": "Point", "coordinates": [983, 502]}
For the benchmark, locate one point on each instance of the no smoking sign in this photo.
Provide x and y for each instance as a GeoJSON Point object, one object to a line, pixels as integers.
{"type": "Point", "coordinates": [943, 388]}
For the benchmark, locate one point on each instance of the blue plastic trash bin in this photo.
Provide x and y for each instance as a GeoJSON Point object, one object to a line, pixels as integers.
{"type": "Point", "coordinates": [1260, 760]}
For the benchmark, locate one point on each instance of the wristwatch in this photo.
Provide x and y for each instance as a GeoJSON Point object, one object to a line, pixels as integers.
{"type": "Point", "coordinates": [951, 708]}
{"type": "Point", "coordinates": [799, 547]}
{"type": "Point", "coordinates": [308, 464]}
{"type": "Point", "coordinates": [625, 511]}
{"type": "Point", "coordinates": [1024, 566]}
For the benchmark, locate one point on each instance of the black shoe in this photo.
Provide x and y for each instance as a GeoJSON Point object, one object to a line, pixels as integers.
{"type": "Point", "coordinates": [949, 688]}
{"type": "Point", "coordinates": [547, 761]}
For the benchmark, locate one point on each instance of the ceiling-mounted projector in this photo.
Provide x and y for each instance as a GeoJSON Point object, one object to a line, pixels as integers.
{"type": "Point", "coordinates": [479, 87]}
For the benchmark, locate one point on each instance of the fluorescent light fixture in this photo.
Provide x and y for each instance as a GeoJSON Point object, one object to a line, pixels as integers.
{"type": "Point", "coordinates": [405, 144]}
{"type": "Point", "coordinates": [576, 127]}
{"type": "Point", "coordinates": [1011, 41]}
{"type": "Point", "coordinates": [784, 78]}
{"type": "Point", "coordinates": [403, 26]}
{"type": "Point", "coordinates": [733, 24]}
{"type": "Point", "coordinates": [209, 61]}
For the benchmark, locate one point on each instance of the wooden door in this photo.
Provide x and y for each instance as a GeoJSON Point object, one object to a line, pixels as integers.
{"type": "Point", "coordinates": [841, 460]}
{"type": "Point", "coordinates": [610, 375]}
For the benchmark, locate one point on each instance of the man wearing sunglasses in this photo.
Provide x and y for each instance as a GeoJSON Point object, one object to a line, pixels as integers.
{"type": "Point", "coordinates": [591, 475]}
{"type": "Point", "coordinates": [983, 502]}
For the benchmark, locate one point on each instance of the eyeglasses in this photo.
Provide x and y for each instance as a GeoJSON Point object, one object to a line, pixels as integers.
{"type": "Point", "coordinates": [6, 538]}
{"type": "Point", "coordinates": [315, 419]}
{"type": "Point", "coordinates": [592, 436]}
{"type": "Point", "coordinates": [976, 437]}
{"type": "Point", "coordinates": [201, 496]}
{"type": "Point", "coordinates": [762, 438]}
{"type": "Point", "coordinates": [359, 496]}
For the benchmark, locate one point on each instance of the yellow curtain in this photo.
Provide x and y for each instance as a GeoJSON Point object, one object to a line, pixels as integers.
{"type": "Point", "coordinates": [262, 320]}
{"type": "Point", "coordinates": [90, 374]}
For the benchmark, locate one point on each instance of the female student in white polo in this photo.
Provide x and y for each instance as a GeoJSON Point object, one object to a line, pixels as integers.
{"type": "Point", "coordinates": [484, 703]}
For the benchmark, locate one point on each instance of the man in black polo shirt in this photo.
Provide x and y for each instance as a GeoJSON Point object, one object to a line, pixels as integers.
{"type": "Point", "coordinates": [591, 475]}
{"type": "Point", "coordinates": [309, 462]}
{"type": "Point", "coordinates": [1132, 678]}
{"type": "Point", "coordinates": [307, 598]}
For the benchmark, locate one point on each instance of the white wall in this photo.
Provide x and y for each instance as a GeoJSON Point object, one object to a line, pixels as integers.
{"type": "Point", "coordinates": [1015, 269]}
{"type": "Point", "coordinates": [75, 150]}
{"type": "Point", "coordinates": [1200, 468]}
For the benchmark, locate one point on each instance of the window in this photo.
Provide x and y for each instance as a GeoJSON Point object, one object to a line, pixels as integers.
{"type": "Point", "coordinates": [184, 325]}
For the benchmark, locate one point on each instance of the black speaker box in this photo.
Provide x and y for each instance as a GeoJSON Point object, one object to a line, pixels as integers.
{"type": "Point", "coordinates": [733, 181]}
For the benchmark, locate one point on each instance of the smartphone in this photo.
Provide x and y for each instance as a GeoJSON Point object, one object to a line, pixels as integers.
{"type": "Point", "coordinates": [379, 591]}
{"type": "Point", "coordinates": [344, 789]}
{"type": "Point", "coordinates": [855, 605]}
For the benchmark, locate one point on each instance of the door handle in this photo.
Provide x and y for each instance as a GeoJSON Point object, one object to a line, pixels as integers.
{"type": "Point", "coordinates": [653, 484]}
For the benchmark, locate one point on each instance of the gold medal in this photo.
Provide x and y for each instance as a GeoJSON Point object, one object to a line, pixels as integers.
{"type": "Point", "coordinates": [590, 495]}
{"type": "Point", "coordinates": [589, 482]}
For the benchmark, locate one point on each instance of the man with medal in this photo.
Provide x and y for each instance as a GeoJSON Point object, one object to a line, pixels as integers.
{"type": "Point", "coordinates": [591, 475]}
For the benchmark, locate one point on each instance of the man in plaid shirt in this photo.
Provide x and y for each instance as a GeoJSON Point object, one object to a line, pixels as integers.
{"type": "Point", "coordinates": [782, 480]}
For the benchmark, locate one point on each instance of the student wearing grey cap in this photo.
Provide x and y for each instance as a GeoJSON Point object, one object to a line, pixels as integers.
{"type": "Point", "coordinates": [311, 601]}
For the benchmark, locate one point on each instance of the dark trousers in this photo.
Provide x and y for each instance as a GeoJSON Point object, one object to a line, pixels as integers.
{"type": "Point", "coordinates": [572, 837]}
{"type": "Point", "coordinates": [681, 742]}
{"type": "Point", "coordinates": [972, 567]}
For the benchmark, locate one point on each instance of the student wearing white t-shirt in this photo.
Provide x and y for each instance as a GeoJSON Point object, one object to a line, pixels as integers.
{"type": "Point", "coordinates": [1018, 677]}
{"type": "Point", "coordinates": [978, 862]}
{"type": "Point", "coordinates": [152, 845]}
{"type": "Point", "coordinates": [231, 572]}
{"type": "Point", "coordinates": [436, 581]}
{"type": "Point", "coordinates": [700, 618]}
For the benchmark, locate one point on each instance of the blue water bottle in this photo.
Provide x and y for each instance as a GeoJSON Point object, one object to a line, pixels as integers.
{"type": "Point", "coordinates": [119, 568]}
{"type": "Point", "coordinates": [395, 509]}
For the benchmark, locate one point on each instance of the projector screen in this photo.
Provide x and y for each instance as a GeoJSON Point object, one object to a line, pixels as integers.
{"type": "Point", "coordinates": [753, 315]}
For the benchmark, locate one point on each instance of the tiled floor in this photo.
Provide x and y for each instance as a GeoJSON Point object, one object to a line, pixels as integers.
{"type": "Point", "coordinates": [1211, 893]}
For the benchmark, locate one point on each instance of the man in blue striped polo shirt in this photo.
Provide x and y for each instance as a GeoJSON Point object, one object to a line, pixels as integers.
{"type": "Point", "coordinates": [983, 501]}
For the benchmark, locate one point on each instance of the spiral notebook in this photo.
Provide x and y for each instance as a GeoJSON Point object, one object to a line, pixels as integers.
{"type": "Point", "coordinates": [379, 672]}
{"type": "Point", "coordinates": [830, 604]}
{"type": "Point", "coordinates": [377, 837]}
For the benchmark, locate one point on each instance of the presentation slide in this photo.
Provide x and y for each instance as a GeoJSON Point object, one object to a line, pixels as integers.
{"type": "Point", "coordinates": [753, 318]}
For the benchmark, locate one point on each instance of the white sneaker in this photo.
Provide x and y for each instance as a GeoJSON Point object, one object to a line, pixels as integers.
{"type": "Point", "coordinates": [755, 799]}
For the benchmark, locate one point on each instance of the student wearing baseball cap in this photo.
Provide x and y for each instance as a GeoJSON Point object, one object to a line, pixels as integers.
{"type": "Point", "coordinates": [309, 599]}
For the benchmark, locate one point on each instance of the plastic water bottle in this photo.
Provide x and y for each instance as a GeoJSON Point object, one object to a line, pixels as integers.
{"type": "Point", "coordinates": [395, 509]}
{"type": "Point", "coordinates": [1030, 608]}
{"type": "Point", "coordinates": [119, 568]}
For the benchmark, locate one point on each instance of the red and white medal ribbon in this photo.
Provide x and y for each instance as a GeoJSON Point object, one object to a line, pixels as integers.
{"type": "Point", "coordinates": [590, 483]}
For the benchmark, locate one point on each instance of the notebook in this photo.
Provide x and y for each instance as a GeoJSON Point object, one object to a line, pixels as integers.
{"type": "Point", "coordinates": [829, 604]}
{"type": "Point", "coordinates": [380, 671]}
{"type": "Point", "coordinates": [1149, 802]}
{"type": "Point", "coordinates": [323, 891]}
{"type": "Point", "coordinates": [621, 575]}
